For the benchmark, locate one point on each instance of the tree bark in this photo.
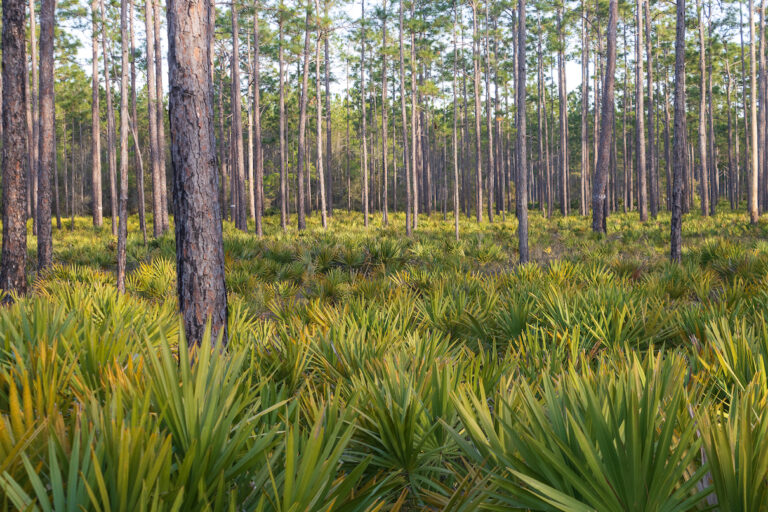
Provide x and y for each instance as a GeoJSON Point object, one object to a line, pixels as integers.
{"type": "Point", "coordinates": [199, 243]}
{"type": "Point", "coordinates": [238, 172]}
{"type": "Point", "coordinates": [111, 152]}
{"type": "Point", "coordinates": [384, 109]}
{"type": "Point", "coordinates": [478, 134]}
{"type": "Point", "coordinates": [653, 160]}
{"type": "Point", "coordinates": [14, 245]}
{"type": "Point", "coordinates": [489, 116]}
{"type": "Point", "coordinates": [521, 185]}
{"type": "Point", "coordinates": [753, 206]}
{"type": "Point", "coordinates": [161, 116]}
{"type": "Point", "coordinates": [283, 177]}
{"type": "Point", "coordinates": [563, 154]}
{"type": "Point", "coordinates": [406, 153]}
{"type": "Point", "coordinates": [134, 129]}
{"type": "Point", "coordinates": [259, 196]}
{"type": "Point", "coordinates": [583, 207]}
{"type": "Point", "coordinates": [704, 175]}
{"type": "Point", "coordinates": [301, 157]}
{"type": "Point", "coordinates": [320, 170]}
{"type": "Point", "coordinates": [47, 148]}
{"type": "Point", "coordinates": [676, 224]}
{"type": "Point", "coordinates": [34, 99]}
{"type": "Point", "coordinates": [125, 116]}
{"type": "Point", "coordinates": [329, 140]}
{"type": "Point", "coordinates": [98, 219]}
{"type": "Point", "coordinates": [642, 171]}
{"type": "Point", "coordinates": [600, 187]}
{"type": "Point", "coordinates": [154, 159]}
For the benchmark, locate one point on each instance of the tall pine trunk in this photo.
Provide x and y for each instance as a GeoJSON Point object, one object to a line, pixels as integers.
{"type": "Point", "coordinates": [642, 171]}
{"type": "Point", "coordinates": [199, 242]}
{"type": "Point", "coordinates": [676, 224]}
{"type": "Point", "coordinates": [302, 150]}
{"type": "Point", "coordinates": [47, 148]}
{"type": "Point", "coordinates": [97, 206]}
{"type": "Point", "coordinates": [521, 192]}
{"type": "Point", "coordinates": [125, 115]}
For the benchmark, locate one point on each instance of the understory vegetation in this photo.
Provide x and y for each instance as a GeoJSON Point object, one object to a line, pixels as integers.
{"type": "Point", "coordinates": [369, 371]}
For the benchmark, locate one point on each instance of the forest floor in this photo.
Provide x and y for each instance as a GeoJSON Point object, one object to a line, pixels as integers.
{"type": "Point", "coordinates": [444, 371]}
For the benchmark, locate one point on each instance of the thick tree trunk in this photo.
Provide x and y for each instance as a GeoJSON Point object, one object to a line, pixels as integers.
{"type": "Point", "coordinates": [521, 184]}
{"type": "Point", "coordinates": [47, 141]}
{"type": "Point", "coordinates": [125, 116]}
{"type": "Point", "coordinates": [600, 187]}
{"type": "Point", "coordinates": [199, 242]}
{"type": "Point", "coordinates": [97, 212]}
{"type": "Point", "coordinates": [676, 224]}
{"type": "Point", "coordinates": [14, 245]}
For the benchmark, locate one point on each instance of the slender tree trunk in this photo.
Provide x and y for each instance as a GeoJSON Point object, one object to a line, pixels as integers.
{"type": "Point", "coordinates": [14, 185]}
{"type": "Point", "coordinates": [154, 159]}
{"type": "Point", "coordinates": [34, 99]}
{"type": "Point", "coordinates": [134, 129]}
{"type": "Point", "coordinates": [414, 127]}
{"type": "Point", "coordinates": [563, 153]}
{"type": "Point", "coordinates": [731, 162]}
{"type": "Point", "coordinates": [676, 224]}
{"type": "Point", "coordinates": [328, 118]}
{"type": "Point", "coordinates": [238, 172]}
{"type": "Point", "coordinates": [753, 206]}
{"type": "Point", "coordinates": [47, 147]}
{"type": "Point", "coordinates": [714, 182]}
{"type": "Point", "coordinates": [301, 157]}
{"type": "Point", "coordinates": [745, 116]}
{"type": "Point", "coordinates": [704, 175]}
{"type": "Point", "coordinates": [111, 143]}
{"type": "Point", "coordinates": [489, 116]}
{"type": "Point", "coordinates": [455, 130]}
{"type": "Point", "coordinates": [95, 123]}
{"type": "Point", "coordinates": [283, 172]}
{"type": "Point", "coordinates": [251, 165]}
{"type": "Point", "coordinates": [56, 180]}
{"type": "Point", "coordinates": [583, 207]}
{"type": "Point", "coordinates": [363, 100]}
{"type": "Point", "coordinates": [478, 134]}
{"type": "Point", "coordinates": [652, 161]}
{"type": "Point", "coordinates": [762, 119]}
{"type": "Point", "coordinates": [124, 123]}
{"type": "Point", "coordinates": [259, 197]}
{"type": "Point", "coordinates": [320, 170]}
{"type": "Point", "coordinates": [600, 187]}
{"type": "Point", "coordinates": [384, 109]}
{"type": "Point", "coordinates": [161, 115]}
{"type": "Point", "coordinates": [199, 242]}
{"type": "Point", "coordinates": [642, 171]}
{"type": "Point", "coordinates": [404, 115]}
{"type": "Point", "coordinates": [521, 185]}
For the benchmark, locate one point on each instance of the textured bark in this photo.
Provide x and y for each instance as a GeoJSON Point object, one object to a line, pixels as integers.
{"type": "Point", "coordinates": [600, 186]}
{"type": "Point", "coordinates": [14, 70]}
{"type": "Point", "coordinates": [329, 140]}
{"type": "Point", "coordinates": [199, 244]}
{"type": "Point", "coordinates": [364, 135]}
{"type": "Point", "coordinates": [97, 213]}
{"type": "Point", "coordinates": [676, 224]}
{"type": "Point", "coordinates": [154, 160]}
{"type": "Point", "coordinates": [122, 232]}
{"type": "Point", "coordinates": [478, 134]}
{"type": "Point", "coordinates": [160, 115]}
{"type": "Point", "coordinates": [752, 198]}
{"type": "Point", "coordinates": [47, 148]}
{"type": "Point", "coordinates": [714, 181]}
{"type": "Point", "coordinates": [404, 116]}
{"type": "Point", "coordinates": [732, 170]}
{"type": "Point", "coordinates": [259, 196]}
{"type": "Point", "coordinates": [238, 170]}
{"type": "Point", "coordinates": [414, 128]}
{"type": "Point", "coordinates": [251, 166]}
{"type": "Point", "coordinates": [521, 191]}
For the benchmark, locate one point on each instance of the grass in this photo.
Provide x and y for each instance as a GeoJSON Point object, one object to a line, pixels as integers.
{"type": "Point", "coordinates": [368, 371]}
